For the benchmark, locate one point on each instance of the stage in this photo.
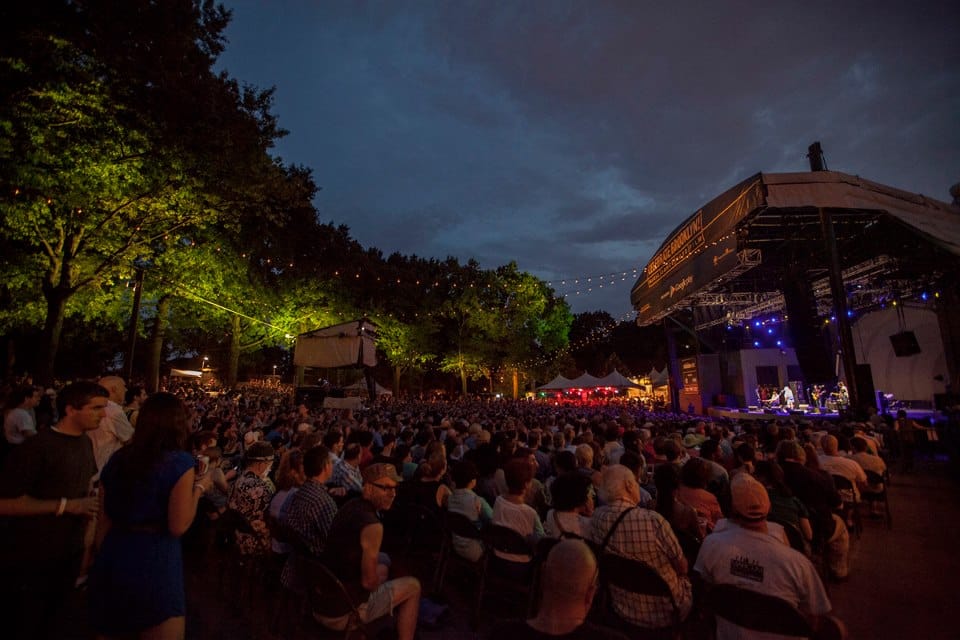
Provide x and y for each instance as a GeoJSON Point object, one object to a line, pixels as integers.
{"type": "Point", "coordinates": [798, 415]}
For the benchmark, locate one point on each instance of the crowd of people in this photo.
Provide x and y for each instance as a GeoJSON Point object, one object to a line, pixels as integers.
{"type": "Point", "coordinates": [99, 481]}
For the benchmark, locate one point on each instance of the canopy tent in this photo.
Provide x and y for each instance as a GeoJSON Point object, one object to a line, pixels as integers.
{"type": "Point", "coordinates": [618, 380]}
{"type": "Point", "coordinates": [585, 381]}
{"type": "Point", "coordinates": [658, 378]}
{"type": "Point", "coordinates": [556, 384]}
{"type": "Point", "coordinates": [341, 345]}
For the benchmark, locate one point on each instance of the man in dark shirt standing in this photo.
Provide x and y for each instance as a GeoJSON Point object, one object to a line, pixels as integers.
{"type": "Point", "coordinates": [46, 487]}
{"type": "Point", "coordinates": [352, 553]}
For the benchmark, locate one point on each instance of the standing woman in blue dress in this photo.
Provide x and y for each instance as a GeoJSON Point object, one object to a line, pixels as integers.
{"type": "Point", "coordinates": [150, 493]}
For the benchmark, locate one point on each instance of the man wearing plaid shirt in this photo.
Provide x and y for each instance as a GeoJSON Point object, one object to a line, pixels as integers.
{"type": "Point", "coordinates": [643, 535]}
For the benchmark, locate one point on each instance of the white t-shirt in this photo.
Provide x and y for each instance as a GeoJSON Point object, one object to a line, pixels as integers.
{"type": "Point", "coordinates": [18, 425]}
{"type": "Point", "coordinates": [757, 561]}
{"type": "Point", "coordinates": [521, 518]}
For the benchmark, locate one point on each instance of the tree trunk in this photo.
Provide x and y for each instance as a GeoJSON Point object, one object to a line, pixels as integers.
{"type": "Point", "coordinates": [234, 357]}
{"type": "Point", "coordinates": [52, 328]}
{"type": "Point", "coordinates": [157, 336]}
{"type": "Point", "coordinates": [516, 384]}
{"type": "Point", "coordinates": [463, 381]}
{"type": "Point", "coordinates": [396, 381]}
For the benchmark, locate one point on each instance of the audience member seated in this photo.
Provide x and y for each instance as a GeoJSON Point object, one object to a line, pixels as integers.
{"type": "Point", "coordinates": [681, 517]}
{"type": "Point", "coordinates": [511, 511]}
{"type": "Point", "coordinates": [466, 502]}
{"type": "Point", "coordinates": [568, 586]}
{"type": "Point", "coordinates": [352, 553]}
{"type": "Point", "coordinates": [572, 507]}
{"type": "Point", "coordinates": [815, 489]}
{"type": "Point", "coordinates": [872, 463]}
{"type": "Point", "coordinates": [746, 556]}
{"type": "Point", "coordinates": [621, 527]}
{"type": "Point", "coordinates": [785, 508]}
{"type": "Point", "coordinates": [836, 465]}
{"type": "Point", "coordinates": [693, 493]}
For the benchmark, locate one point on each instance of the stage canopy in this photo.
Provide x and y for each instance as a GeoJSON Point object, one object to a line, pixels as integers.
{"type": "Point", "coordinates": [342, 345]}
{"type": "Point", "coordinates": [732, 257]}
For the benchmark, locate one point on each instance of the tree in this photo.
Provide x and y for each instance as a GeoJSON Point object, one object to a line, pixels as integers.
{"type": "Point", "coordinates": [106, 151]}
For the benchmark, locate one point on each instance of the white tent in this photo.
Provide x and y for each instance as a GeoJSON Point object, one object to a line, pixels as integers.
{"type": "Point", "coordinates": [556, 384]}
{"type": "Point", "coordinates": [585, 381]}
{"type": "Point", "coordinates": [658, 378]}
{"type": "Point", "coordinates": [618, 380]}
{"type": "Point", "coordinates": [341, 345]}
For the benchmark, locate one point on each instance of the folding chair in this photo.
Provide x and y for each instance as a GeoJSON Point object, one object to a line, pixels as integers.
{"type": "Point", "coordinates": [327, 596]}
{"type": "Point", "coordinates": [457, 524]}
{"type": "Point", "coordinates": [874, 479]}
{"type": "Point", "coordinates": [757, 611]}
{"type": "Point", "coordinates": [636, 576]}
{"type": "Point", "coordinates": [850, 510]}
{"type": "Point", "coordinates": [506, 540]}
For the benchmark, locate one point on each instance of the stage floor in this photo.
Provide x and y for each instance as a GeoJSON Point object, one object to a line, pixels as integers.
{"type": "Point", "coordinates": [783, 414]}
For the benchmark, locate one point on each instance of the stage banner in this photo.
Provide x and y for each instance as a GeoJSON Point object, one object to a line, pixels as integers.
{"type": "Point", "coordinates": [698, 252]}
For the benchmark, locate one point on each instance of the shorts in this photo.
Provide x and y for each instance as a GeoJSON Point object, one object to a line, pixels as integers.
{"type": "Point", "coordinates": [380, 602]}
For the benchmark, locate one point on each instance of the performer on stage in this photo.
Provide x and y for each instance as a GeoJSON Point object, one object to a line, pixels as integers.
{"type": "Point", "coordinates": [843, 400]}
{"type": "Point", "coordinates": [786, 397]}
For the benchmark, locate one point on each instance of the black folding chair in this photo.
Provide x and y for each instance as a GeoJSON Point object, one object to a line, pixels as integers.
{"type": "Point", "coordinates": [757, 611]}
{"type": "Point", "coordinates": [509, 541]}
{"type": "Point", "coordinates": [636, 576]}
{"type": "Point", "coordinates": [850, 510]}
{"type": "Point", "coordinates": [457, 524]}
{"type": "Point", "coordinates": [328, 597]}
{"type": "Point", "coordinates": [874, 479]}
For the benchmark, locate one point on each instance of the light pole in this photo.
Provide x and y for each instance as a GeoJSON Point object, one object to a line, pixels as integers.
{"type": "Point", "coordinates": [205, 361]}
{"type": "Point", "coordinates": [274, 371]}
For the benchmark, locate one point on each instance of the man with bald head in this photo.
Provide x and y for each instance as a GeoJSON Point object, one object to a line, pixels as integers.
{"type": "Point", "coordinates": [115, 430]}
{"type": "Point", "coordinates": [836, 465]}
{"type": "Point", "coordinates": [621, 527]}
{"type": "Point", "coordinates": [568, 584]}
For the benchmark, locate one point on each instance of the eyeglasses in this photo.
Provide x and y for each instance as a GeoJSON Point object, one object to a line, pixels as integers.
{"type": "Point", "coordinates": [390, 488]}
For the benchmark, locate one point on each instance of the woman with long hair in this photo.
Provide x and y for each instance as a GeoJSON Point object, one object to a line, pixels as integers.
{"type": "Point", "coordinates": [150, 493]}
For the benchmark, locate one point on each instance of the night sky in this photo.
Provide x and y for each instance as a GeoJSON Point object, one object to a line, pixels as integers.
{"type": "Point", "coordinates": [572, 137]}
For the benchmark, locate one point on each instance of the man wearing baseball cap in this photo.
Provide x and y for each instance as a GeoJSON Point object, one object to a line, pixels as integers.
{"type": "Point", "coordinates": [353, 550]}
{"type": "Point", "coordinates": [745, 555]}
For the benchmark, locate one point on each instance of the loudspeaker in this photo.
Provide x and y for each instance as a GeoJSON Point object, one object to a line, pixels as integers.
{"type": "Point", "coordinates": [753, 407]}
{"type": "Point", "coordinates": [905, 344]}
{"type": "Point", "coordinates": [795, 412]}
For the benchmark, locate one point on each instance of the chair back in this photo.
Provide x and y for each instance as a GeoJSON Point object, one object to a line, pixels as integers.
{"type": "Point", "coordinates": [460, 525]}
{"type": "Point", "coordinates": [794, 537]}
{"type": "Point", "coordinates": [758, 611]}
{"type": "Point", "coordinates": [633, 575]}
{"type": "Point", "coordinates": [874, 479]}
{"type": "Point", "coordinates": [506, 540]}
{"type": "Point", "coordinates": [689, 544]}
{"type": "Point", "coordinates": [327, 595]}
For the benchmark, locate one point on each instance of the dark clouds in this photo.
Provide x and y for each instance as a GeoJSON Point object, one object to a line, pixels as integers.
{"type": "Point", "coordinates": [572, 137]}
